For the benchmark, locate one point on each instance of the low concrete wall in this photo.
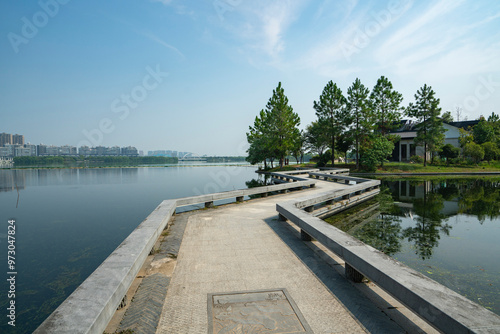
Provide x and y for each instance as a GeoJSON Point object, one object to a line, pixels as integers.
{"type": "Point", "coordinates": [441, 307]}
{"type": "Point", "coordinates": [92, 305]}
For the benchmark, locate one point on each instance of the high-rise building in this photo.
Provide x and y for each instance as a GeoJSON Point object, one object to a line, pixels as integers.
{"type": "Point", "coordinates": [114, 151]}
{"type": "Point", "coordinates": [67, 150]}
{"type": "Point", "coordinates": [5, 152]}
{"type": "Point", "coordinates": [31, 148]}
{"type": "Point", "coordinates": [101, 150]}
{"type": "Point", "coordinates": [18, 139]}
{"type": "Point", "coordinates": [85, 151]}
{"type": "Point", "coordinates": [42, 149]}
{"type": "Point", "coordinates": [5, 138]}
{"type": "Point", "coordinates": [20, 151]}
{"type": "Point", "coordinates": [52, 150]}
{"type": "Point", "coordinates": [129, 151]}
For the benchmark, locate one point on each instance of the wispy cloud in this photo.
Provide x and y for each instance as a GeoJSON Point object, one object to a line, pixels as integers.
{"type": "Point", "coordinates": [261, 26]}
{"type": "Point", "coordinates": [165, 2]}
{"type": "Point", "coordinates": [158, 40]}
{"type": "Point", "coordinates": [438, 44]}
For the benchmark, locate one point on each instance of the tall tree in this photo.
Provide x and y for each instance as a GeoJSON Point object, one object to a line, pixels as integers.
{"type": "Point", "coordinates": [385, 102]}
{"type": "Point", "coordinates": [316, 138]}
{"type": "Point", "coordinates": [259, 140]}
{"type": "Point", "coordinates": [283, 123]}
{"type": "Point", "coordinates": [430, 130]}
{"type": "Point", "coordinates": [331, 111]}
{"type": "Point", "coordinates": [362, 116]}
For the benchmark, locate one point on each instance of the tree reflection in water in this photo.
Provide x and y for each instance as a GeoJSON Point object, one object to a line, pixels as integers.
{"type": "Point", "coordinates": [424, 201]}
{"type": "Point", "coordinates": [261, 181]}
{"type": "Point", "coordinates": [425, 234]}
{"type": "Point", "coordinates": [383, 233]}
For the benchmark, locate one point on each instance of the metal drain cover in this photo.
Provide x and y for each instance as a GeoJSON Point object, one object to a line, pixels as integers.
{"type": "Point", "coordinates": [258, 311]}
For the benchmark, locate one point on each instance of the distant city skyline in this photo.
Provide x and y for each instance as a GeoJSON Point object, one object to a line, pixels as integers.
{"type": "Point", "coordinates": [16, 139]}
{"type": "Point", "coordinates": [193, 75]}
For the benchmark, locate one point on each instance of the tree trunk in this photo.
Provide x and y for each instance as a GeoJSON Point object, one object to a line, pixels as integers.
{"type": "Point", "coordinates": [425, 154]}
{"type": "Point", "coordinates": [357, 152]}
{"type": "Point", "coordinates": [333, 151]}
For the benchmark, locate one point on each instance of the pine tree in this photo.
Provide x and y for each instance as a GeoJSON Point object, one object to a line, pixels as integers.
{"type": "Point", "coordinates": [331, 111]}
{"type": "Point", "coordinates": [385, 103]}
{"type": "Point", "coordinates": [362, 116]}
{"type": "Point", "coordinates": [430, 130]}
{"type": "Point", "coordinates": [283, 123]}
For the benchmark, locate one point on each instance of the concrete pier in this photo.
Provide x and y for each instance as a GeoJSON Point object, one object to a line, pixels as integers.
{"type": "Point", "coordinates": [264, 265]}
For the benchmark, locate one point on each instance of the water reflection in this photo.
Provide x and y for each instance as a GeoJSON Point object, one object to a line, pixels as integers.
{"type": "Point", "coordinates": [447, 229]}
{"type": "Point", "coordinates": [448, 197]}
{"type": "Point", "coordinates": [20, 179]}
{"type": "Point", "coordinates": [261, 181]}
{"type": "Point", "coordinates": [383, 233]}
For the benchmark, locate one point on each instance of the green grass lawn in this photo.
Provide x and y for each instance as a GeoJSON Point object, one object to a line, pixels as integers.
{"type": "Point", "coordinates": [405, 167]}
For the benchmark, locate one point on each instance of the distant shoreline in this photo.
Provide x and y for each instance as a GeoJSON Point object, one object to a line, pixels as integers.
{"type": "Point", "coordinates": [129, 166]}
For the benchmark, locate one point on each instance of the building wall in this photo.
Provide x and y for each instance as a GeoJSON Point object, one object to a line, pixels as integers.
{"type": "Point", "coordinates": [18, 139]}
{"type": "Point", "coordinates": [5, 138]}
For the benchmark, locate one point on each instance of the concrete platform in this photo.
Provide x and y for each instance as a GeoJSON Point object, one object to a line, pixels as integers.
{"type": "Point", "coordinates": [244, 247]}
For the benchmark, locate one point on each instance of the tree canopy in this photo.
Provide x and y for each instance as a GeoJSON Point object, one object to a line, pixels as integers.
{"type": "Point", "coordinates": [430, 130]}
{"type": "Point", "coordinates": [275, 132]}
{"type": "Point", "coordinates": [332, 113]}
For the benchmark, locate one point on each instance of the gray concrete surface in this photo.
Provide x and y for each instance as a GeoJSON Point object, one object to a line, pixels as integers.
{"type": "Point", "coordinates": [92, 305]}
{"type": "Point", "coordinates": [440, 306]}
{"type": "Point", "coordinates": [242, 247]}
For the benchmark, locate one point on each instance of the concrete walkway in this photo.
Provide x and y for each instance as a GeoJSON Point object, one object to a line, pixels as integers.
{"type": "Point", "coordinates": [244, 247]}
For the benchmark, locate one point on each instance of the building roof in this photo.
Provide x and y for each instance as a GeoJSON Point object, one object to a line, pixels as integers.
{"type": "Point", "coordinates": [406, 125]}
{"type": "Point", "coordinates": [463, 124]}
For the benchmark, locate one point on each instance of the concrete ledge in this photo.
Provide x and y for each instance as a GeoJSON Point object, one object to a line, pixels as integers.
{"type": "Point", "coordinates": [443, 308]}
{"type": "Point", "coordinates": [330, 170]}
{"type": "Point", "coordinates": [328, 176]}
{"type": "Point", "coordinates": [90, 307]}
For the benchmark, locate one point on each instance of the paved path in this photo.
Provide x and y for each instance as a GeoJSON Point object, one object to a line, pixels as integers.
{"type": "Point", "coordinates": [244, 247]}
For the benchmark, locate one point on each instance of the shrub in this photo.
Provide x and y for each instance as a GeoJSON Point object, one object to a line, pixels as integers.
{"type": "Point", "coordinates": [449, 152]}
{"type": "Point", "coordinates": [491, 151]}
{"type": "Point", "coordinates": [416, 159]}
{"type": "Point", "coordinates": [474, 151]}
{"type": "Point", "coordinates": [376, 152]}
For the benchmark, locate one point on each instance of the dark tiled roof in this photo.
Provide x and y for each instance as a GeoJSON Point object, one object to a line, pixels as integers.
{"type": "Point", "coordinates": [463, 124]}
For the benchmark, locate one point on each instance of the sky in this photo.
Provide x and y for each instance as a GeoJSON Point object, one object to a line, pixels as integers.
{"type": "Point", "coordinates": [192, 75]}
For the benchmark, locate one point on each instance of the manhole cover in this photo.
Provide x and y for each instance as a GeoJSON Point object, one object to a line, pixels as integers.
{"type": "Point", "coordinates": [261, 311]}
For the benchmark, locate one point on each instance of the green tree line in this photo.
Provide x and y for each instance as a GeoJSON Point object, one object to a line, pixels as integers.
{"type": "Point", "coordinates": [361, 122]}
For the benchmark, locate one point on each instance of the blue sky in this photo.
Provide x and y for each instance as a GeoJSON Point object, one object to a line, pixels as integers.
{"type": "Point", "coordinates": [192, 75]}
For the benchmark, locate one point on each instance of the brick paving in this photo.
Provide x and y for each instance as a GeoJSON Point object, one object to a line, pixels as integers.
{"type": "Point", "coordinates": [244, 247]}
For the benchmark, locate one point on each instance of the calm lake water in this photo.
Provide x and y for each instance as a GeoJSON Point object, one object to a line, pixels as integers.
{"type": "Point", "coordinates": [447, 229]}
{"type": "Point", "coordinates": [69, 220]}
